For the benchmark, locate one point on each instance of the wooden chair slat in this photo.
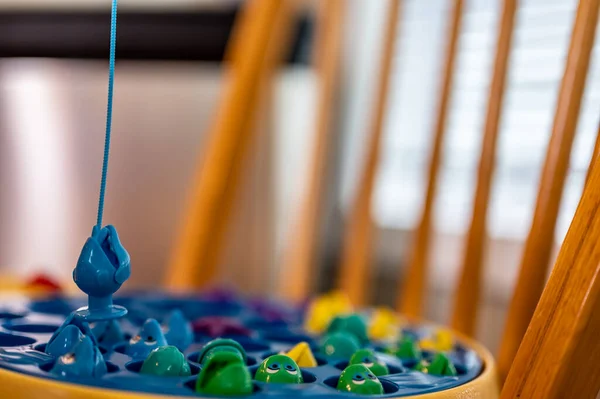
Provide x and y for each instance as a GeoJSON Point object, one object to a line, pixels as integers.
{"type": "Point", "coordinates": [412, 287]}
{"type": "Point", "coordinates": [257, 47]}
{"type": "Point", "coordinates": [595, 154]}
{"type": "Point", "coordinates": [354, 276]}
{"type": "Point", "coordinates": [298, 271]}
{"type": "Point", "coordinates": [538, 247]}
{"type": "Point", "coordinates": [558, 356]}
{"type": "Point", "coordinates": [467, 294]}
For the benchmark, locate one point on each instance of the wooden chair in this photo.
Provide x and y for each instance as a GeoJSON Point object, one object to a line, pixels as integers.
{"type": "Point", "coordinates": [259, 39]}
{"type": "Point", "coordinates": [536, 255]}
{"type": "Point", "coordinates": [538, 246]}
{"type": "Point", "coordinates": [554, 356]}
{"type": "Point", "coordinates": [299, 258]}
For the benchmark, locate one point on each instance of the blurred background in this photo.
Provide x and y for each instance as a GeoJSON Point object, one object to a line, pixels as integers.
{"type": "Point", "coordinates": [170, 74]}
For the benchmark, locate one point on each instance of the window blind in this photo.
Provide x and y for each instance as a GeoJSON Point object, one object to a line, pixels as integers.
{"type": "Point", "coordinates": [537, 60]}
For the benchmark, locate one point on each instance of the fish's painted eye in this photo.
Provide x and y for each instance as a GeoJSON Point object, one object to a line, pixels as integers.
{"type": "Point", "coordinates": [358, 379]}
{"type": "Point", "coordinates": [371, 376]}
{"type": "Point", "coordinates": [291, 369]}
{"type": "Point", "coordinates": [150, 340]}
{"type": "Point", "coordinates": [69, 358]}
{"type": "Point", "coordinates": [273, 368]}
{"type": "Point", "coordinates": [135, 339]}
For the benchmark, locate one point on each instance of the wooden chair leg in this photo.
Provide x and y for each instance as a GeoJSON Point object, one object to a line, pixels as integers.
{"type": "Point", "coordinates": [538, 247]}
{"type": "Point", "coordinates": [595, 154]}
{"type": "Point", "coordinates": [558, 357]}
{"type": "Point", "coordinates": [256, 49]}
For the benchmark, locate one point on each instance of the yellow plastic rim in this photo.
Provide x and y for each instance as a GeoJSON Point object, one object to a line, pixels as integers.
{"type": "Point", "coordinates": [15, 385]}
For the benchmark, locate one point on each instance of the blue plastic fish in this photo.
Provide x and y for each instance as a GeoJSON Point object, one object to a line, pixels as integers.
{"type": "Point", "coordinates": [108, 333]}
{"type": "Point", "coordinates": [66, 339]}
{"type": "Point", "coordinates": [150, 337]}
{"type": "Point", "coordinates": [178, 331]}
{"type": "Point", "coordinates": [84, 360]}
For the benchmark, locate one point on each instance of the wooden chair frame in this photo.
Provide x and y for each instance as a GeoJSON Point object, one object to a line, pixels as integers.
{"type": "Point", "coordinates": [553, 345]}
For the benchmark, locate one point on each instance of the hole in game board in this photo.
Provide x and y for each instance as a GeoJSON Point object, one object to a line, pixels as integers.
{"type": "Point", "coordinates": [409, 363]}
{"type": "Point", "coordinates": [40, 348]}
{"type": "Point", "coordinates": [111, 367]}
{"type": "Point", "coordinates": [47, 366]}
{"type": "Point", "coordinates": [15, 340]}
{"type": "Point", "coordinates": [308, 377]}
{"type": "Point", "coordinates": [460, 369]}
{"type": "Point", "coordinates": [51, 306]}
{"type": "Point", "coordinates": [31, 328]}
{"type": "Point", "coordinates": [10, 315]}
{"type": "Point", "coordinates": [120, 347]}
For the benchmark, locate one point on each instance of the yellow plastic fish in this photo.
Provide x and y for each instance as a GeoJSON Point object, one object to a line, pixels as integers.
{"type": "Point", "coordinates": [324, 308]}
{"type": "Point", "coordinates": [384, 324]}
{"type": "Point", "coordinates": [302, 355]}
{"type": "Point", "coordinates": [441, 340]}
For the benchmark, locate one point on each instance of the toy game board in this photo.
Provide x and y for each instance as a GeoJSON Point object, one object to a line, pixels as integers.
{"type": "Point", "coordinates": [262, 328]}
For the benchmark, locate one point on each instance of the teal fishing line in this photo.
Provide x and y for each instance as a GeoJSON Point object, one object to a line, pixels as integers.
{"type": "Point", "coordinates": [111, 78]}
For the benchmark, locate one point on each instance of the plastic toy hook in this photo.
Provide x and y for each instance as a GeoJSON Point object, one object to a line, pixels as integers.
{"type": "Point", "coordinates": [102, 267]}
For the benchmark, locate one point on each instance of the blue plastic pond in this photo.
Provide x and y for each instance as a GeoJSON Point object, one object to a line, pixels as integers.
{"type": "Point", "coordinates": [262, 328]}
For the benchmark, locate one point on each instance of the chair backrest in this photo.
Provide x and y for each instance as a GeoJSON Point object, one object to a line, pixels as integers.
{"type": "Point", "coordinates": [537, 251]}
{"type": "Point", "coordinates": [578, 261]}
{"type": "Point", "coordinates": [558, 356]}
{"type": "Point", "coordinates": [260, 36]}
{"type": "Point", "coordinates": [539, 244]}
{"type": "Point", "coordinates": [354, 271]}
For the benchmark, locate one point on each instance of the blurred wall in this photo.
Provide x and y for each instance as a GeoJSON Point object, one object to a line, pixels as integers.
{"type": "Point", "coordinates": [52, 118]}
